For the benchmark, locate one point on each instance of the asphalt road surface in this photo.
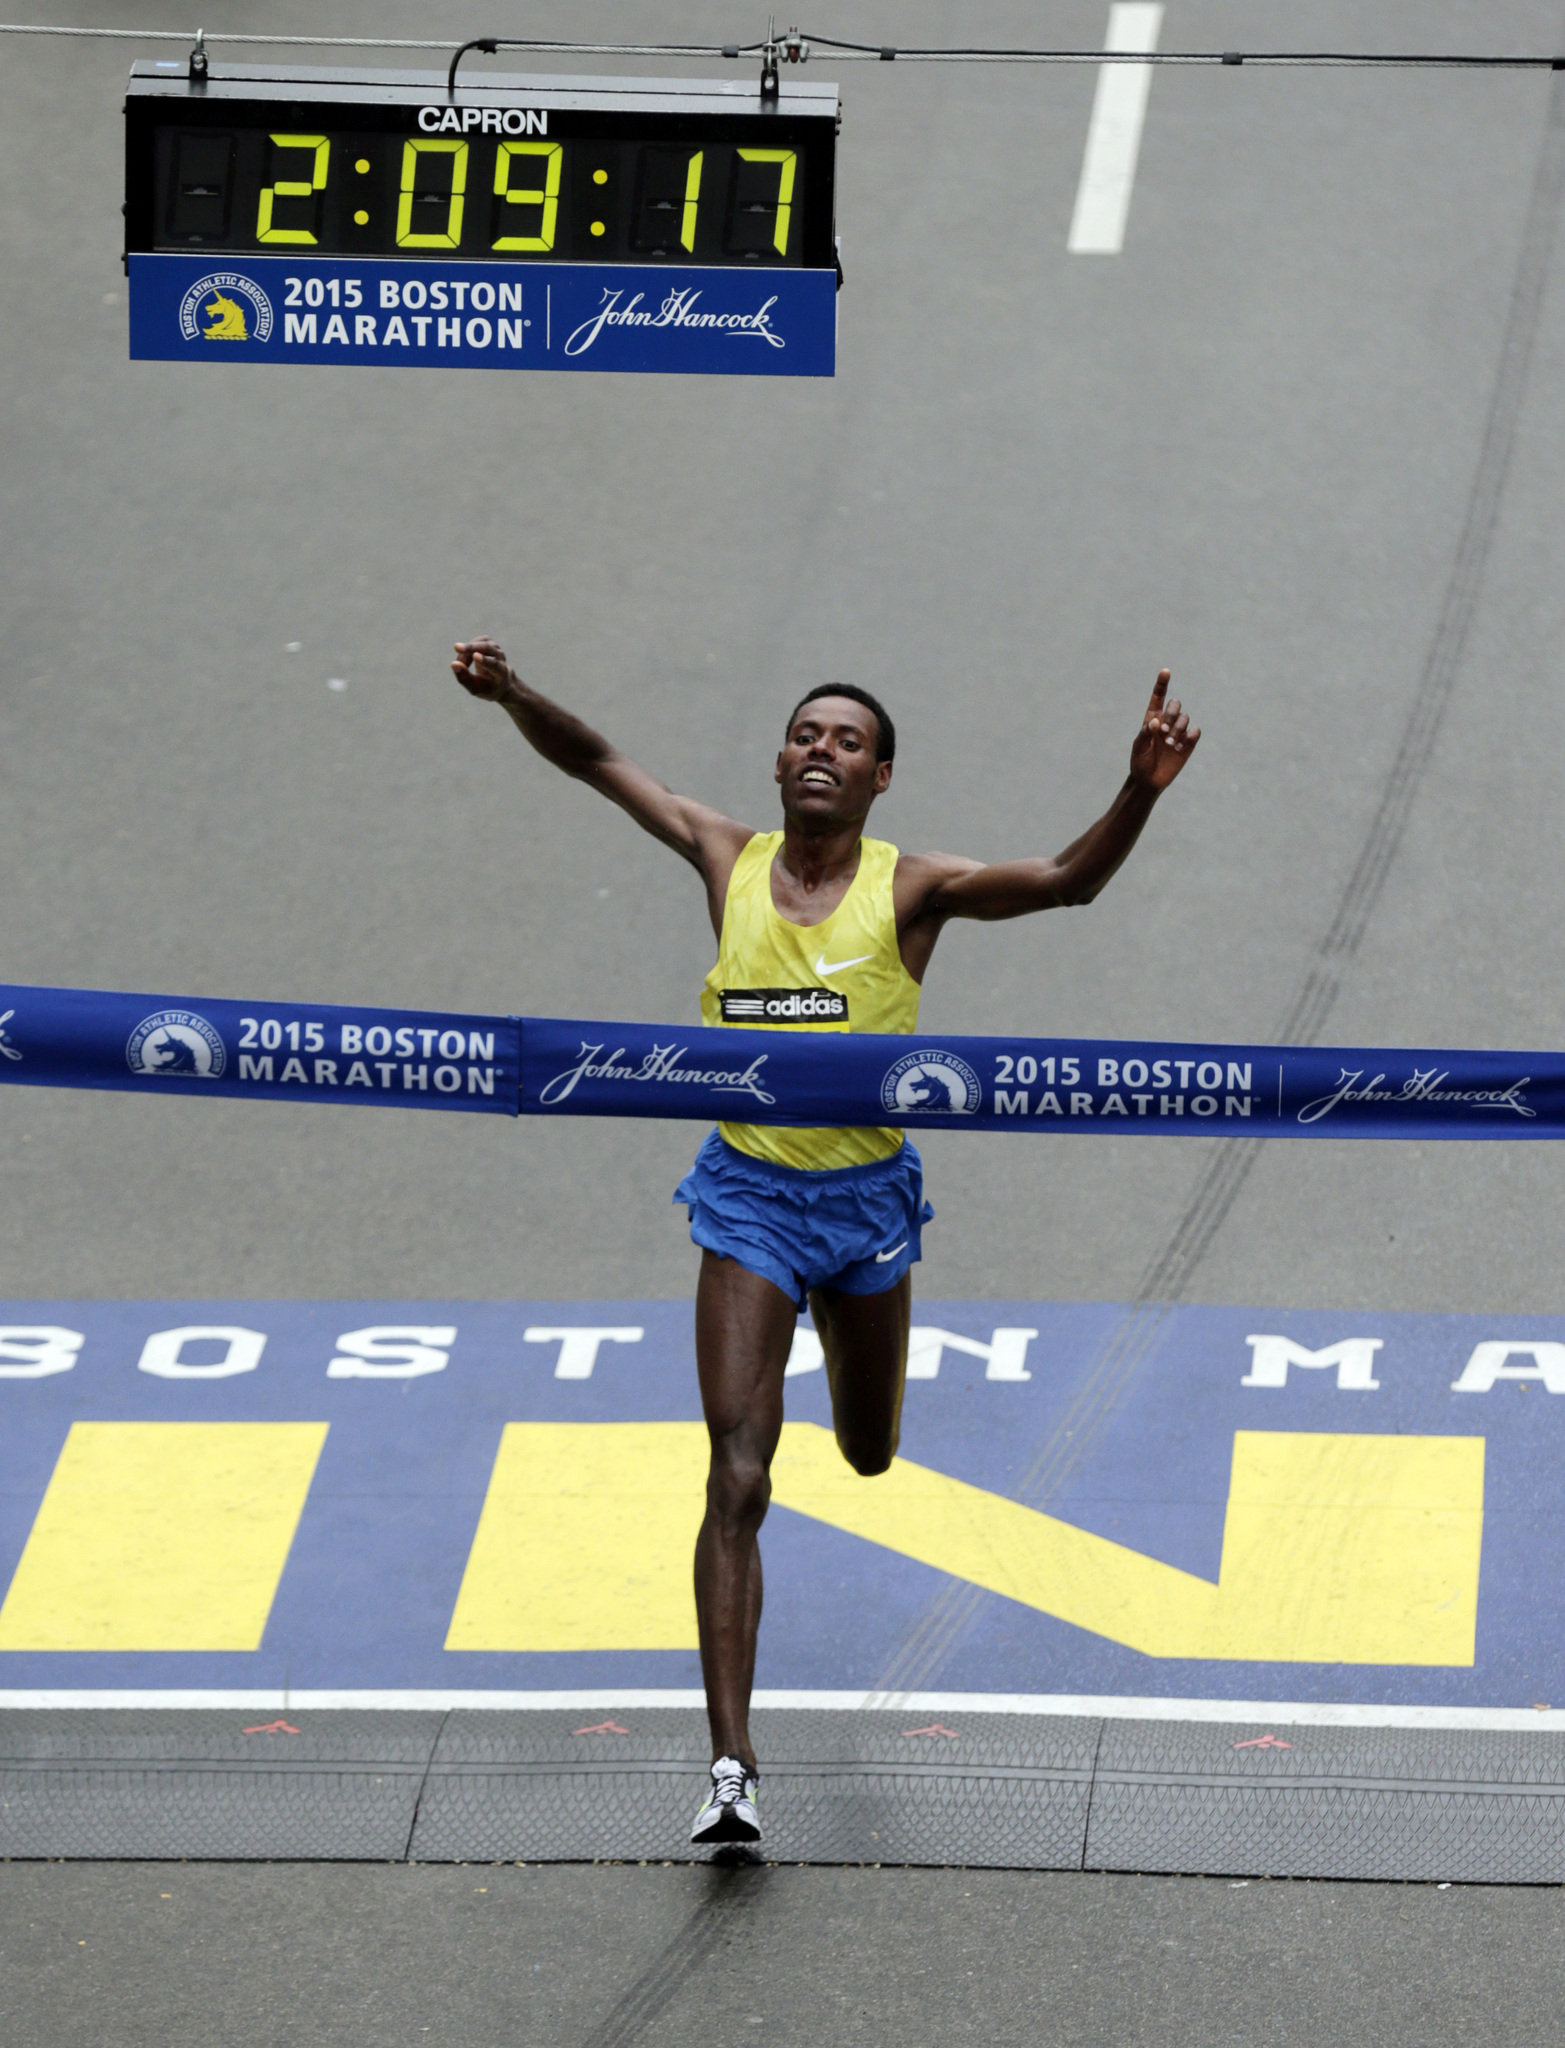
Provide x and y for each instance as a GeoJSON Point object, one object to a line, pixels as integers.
{"type": "Point", "coordinates": [1300, 441]}
{"type": "Point", "coordinates": [474, 1955]}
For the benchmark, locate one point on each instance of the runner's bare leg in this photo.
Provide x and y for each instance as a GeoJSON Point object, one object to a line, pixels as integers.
{"type": "Point", "coordinates": [864, 1337]}
{"type": "Point", "coordinates": [744, 1332]}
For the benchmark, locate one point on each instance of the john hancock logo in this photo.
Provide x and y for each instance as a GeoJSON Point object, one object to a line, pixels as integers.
{"type": "Point", "coordinates": [177, 1043]}
{"type": "Point", "coordinates": [680, 308]}
{"type": "Point", "coordinates": [1424, 1084]}
{"type": "Point", "coordinates": [225, 306]}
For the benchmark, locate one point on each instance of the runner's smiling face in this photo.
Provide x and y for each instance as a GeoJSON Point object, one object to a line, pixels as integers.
{"type": "Point", "coordinates": [827, 769]}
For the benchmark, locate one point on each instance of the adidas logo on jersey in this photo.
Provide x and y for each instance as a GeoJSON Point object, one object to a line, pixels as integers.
{"type": "Point", "coordinates": [784, 1006]}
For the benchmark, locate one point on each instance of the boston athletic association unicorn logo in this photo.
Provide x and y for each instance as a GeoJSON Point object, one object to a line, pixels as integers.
{"type": "Point", "coordinates": [931, 1084]}
{"type": "Point", "coordinates": [226, 320]}
{"type": "Point", "coordinates": [225, 306]}
{"type": "Point", "coordinates": [178, 1045]}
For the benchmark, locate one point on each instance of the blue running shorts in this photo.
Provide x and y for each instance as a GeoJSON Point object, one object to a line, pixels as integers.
{"type": "Point", "coordinates": [856, 1228]}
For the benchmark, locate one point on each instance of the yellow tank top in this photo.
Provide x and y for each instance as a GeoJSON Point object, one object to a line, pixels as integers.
{"type": "Point", "coordinates": [843, 975]}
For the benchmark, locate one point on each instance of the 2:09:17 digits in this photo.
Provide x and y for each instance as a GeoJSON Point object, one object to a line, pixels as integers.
{"type": "Point", "coordinates": [379, 194]}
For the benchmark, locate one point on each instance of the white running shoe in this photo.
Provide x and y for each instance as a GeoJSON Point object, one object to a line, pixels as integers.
{"type": "Point", "coordinates": [728, 1813]}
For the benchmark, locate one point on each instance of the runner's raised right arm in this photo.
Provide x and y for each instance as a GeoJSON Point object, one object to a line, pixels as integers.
{"type": "Point", "coordinates": [707, 839]}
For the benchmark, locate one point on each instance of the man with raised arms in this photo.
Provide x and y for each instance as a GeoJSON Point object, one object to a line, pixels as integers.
{"type": "Point", "coordinates": [833, 931]}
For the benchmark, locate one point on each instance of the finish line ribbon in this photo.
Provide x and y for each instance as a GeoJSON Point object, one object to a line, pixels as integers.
{"type": "Point", "coordinates": [265, 1052]}
{"type": "Point", "coordinates": [546, 1066]}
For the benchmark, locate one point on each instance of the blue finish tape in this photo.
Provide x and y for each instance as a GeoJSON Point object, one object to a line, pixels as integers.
{"type": "Point", "coordinates": [1111, 1086]}
{"type": "Point", "coordinates": [429, 1059]}
{"type": "Point", "coordinates": [311, 1052]}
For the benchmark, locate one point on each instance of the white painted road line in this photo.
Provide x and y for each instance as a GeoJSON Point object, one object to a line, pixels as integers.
{"type": "Point", "coordinates": [1108, 170]}
{"type": "Point", "coordinates": [1114, 1707]}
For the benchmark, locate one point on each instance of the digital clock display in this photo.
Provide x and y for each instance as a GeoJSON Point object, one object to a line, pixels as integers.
{"type": "Point", "coordinates": [316, 215]}
{"type": "Point", "coordinates": [509, 171]}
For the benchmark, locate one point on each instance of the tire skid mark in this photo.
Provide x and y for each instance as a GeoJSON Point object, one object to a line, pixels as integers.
{"type": "Point", "coordinates": [1168, 1274]}
{"type": "Point", "coordinates": [729, 1893]}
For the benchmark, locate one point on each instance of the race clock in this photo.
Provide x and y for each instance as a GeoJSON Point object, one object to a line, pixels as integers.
{"type": "Point", "coordinates": [309, 215]}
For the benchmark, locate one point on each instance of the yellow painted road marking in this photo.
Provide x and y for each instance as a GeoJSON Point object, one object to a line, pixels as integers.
{"type": "Point", "coordinates": [1336, 1548]}
{"type": "Point", "coordinates": [161, 1536]}
{"type": "Point", "coordinates": [585, 1539]}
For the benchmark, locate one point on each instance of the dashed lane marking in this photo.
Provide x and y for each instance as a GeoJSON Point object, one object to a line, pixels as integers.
{"type": "Point", "coordinates": [1119, 110]}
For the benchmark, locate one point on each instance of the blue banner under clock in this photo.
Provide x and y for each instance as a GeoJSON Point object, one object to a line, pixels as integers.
{"type": "Point", "coordinates": [428, 1059]}
{"type": "Point", "coordinates": [483, 316]}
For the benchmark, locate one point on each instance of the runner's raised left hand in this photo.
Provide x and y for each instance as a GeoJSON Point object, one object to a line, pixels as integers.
{"type": "Point", "coordinates": [1165, 742]}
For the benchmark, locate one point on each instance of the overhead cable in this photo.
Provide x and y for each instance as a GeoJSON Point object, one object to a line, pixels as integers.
{"type": "Point", "coordinates": [441, 43]}
{"type": "Point", "coordinates": [844, 52]}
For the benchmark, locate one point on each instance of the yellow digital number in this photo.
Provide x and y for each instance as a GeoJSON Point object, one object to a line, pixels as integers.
{"type": "Point", "coordinates": [687, 226]}
{"type": "Point", "coordinates": [786, 161]}
{"type": "Point", "coordinates": [412, 150]}
{"type": "Point", "coordinates": [292, 188]}
{"type": "Point", "coordinates": [548, 197]}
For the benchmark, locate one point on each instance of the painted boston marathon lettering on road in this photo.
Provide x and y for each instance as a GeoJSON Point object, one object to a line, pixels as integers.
{"type": "Point", "coordinates": [493, 1496]}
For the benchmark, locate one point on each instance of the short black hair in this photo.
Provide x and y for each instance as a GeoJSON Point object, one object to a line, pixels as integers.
{"type": "Point", "coordinates": [885, 731]}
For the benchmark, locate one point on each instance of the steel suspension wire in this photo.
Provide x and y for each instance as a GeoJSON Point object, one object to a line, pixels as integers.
{"type": "Point", "coordinates": [845, 52]}
{"type": "Point", "coordinates": [442, 43]}
{"type": "Point", "coordinates": [1363, 59]}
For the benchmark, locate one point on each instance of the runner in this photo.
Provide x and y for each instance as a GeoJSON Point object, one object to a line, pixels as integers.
{"type": "Point", "coordinates": [837, 930]}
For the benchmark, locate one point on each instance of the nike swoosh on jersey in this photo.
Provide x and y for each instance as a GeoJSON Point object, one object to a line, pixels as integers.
{"type": "Point", "coordinates": [881, 1257]}
{"type": "Point", "coordinates": [825, 966]}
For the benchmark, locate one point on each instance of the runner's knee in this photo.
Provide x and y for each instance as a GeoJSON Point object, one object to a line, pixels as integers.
{"type": "Point", "coordinates": [738, 1489]}
{"type": "Point", "coordinates": [869, 1456]}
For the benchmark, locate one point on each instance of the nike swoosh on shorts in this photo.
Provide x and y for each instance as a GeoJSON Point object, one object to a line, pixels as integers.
{"type": "Point", "coordinates": [825, 966]}
{"type": "Point", "coordinates": [881, 1257]}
